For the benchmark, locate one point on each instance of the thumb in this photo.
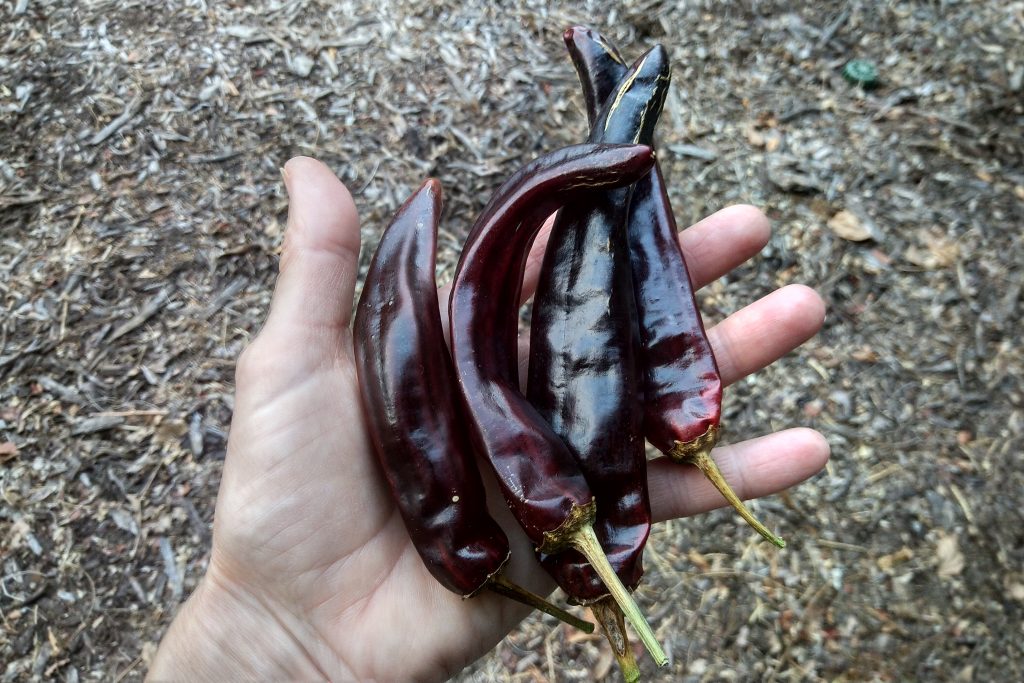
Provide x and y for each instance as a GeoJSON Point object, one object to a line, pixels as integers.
{"type": "Point", "coordinates": [319, 261]}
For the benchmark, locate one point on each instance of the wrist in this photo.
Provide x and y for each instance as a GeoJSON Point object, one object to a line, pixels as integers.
{"type": "Point", "coordinates": [224, 633]}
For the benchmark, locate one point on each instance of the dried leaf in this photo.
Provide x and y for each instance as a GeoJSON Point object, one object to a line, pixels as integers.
{"type": "Point", "coordinates": [865, 354]}
{"type": "Point", "coordinates": [887, 562]}
{"type": "Point", "coordinates": [939, 252]}
{"type": "Point", "coordinates": [698, 560]}
{"type": "Point", "coordinates": [950, 559]}
{"type": "Point", "coordinates": [849, 227]}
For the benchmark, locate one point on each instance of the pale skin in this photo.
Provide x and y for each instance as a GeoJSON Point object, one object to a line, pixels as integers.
{"type": "Point", "coordinates": [312, 575]}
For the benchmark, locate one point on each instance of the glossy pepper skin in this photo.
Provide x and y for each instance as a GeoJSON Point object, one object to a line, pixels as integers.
{"type": "Point", "coordinates": [541, 482]}
{"type": "Point", "coordinates": [536, 472]}
{"type": "Point", "coordinates": [600, 66]}
{"type": "Point", "coordinates": [407, 387]}
{"type": "Point", "coordinates": [683, 388]}
{"type": "Point", "coordinates": [412, 405]}
{"type": "Point", "coordinates": [682, 384]}
{"type": "Point", "coordinates": [584, 377]}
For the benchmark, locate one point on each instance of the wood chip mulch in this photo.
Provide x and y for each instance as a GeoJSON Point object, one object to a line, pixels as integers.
{"type": "Point", "coordinates": [142, 211]}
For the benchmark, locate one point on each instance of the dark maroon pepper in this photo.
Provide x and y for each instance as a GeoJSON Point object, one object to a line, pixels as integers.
{"type": "Point", "coordinates": [584, 377]}
{"type": "Point", "coordinates": [682, 386]}
{"type": "Point", "coordinates": [411, 405]}
{"type": "Point", "coordinates": [600, 66]}
{"type": "Point", "coordinates": [542, 484]}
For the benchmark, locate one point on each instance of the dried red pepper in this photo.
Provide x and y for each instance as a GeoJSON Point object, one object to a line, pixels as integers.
{"type": "Point", "coordinates": [416, 421]}
{"type": "Point", "coordinates": [542, 484]}
{"type": "Point", "coordinates": [683, 387]}
{"type": "Point", "coordinates": [600, 67]}
{"type": "Point", "coordinates": [584, 375]}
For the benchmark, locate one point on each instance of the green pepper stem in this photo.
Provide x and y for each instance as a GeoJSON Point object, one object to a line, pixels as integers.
{"type": "Point", "coordinates": [502, 586]}
{"type": "Point", "coordinates": [585, 541]}
{"type": "Point", "coordinates": [703, 461]}
{"type": "Point", "coordinates": [609, 617]}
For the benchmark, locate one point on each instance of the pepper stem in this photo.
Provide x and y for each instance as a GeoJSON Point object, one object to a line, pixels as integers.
{"type": "Point", "coordinates": [703, 461]}
{"type": "Point", "coordinates": [585, 541]}
{"type": "Point", "coordinates": [610, 618]}
{"type": "Point", "coordinates": [502, 586]}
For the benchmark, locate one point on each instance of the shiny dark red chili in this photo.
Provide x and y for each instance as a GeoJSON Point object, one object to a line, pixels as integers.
{"type": "Point", "coordinates": [416, 421]}
{"type": "Point", "coordinates": [541, 482]}
{"type": "Point", "coordinates": [682, 385]}
{"type": "Point", "coordinates": [584, 377]}
{"type": "Point", "coordinates": [599, 65]}
{"type": "Point", "coordinates": [538, 475]}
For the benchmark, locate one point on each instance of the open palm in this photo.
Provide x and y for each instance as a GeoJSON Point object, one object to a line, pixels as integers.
{"type": "Point", "coordinates": [312, 573]}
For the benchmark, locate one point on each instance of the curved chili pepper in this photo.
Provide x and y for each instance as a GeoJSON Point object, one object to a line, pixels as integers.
{"type": "Point", "coordinates": [407, 385]}
{"type": "Point", "coordinates": [682, 387]}
{"type": "Point", "coordinates": [602, 65]}
{"type": "Point", "coordinates": [598, 64]}
{"type": "Point", "coordinates": [584, 376]}
{"type": "Point", "coordinates": [541, 482]}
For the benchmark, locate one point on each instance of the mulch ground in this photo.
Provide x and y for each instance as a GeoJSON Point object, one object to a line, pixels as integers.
{"type": "Point", "coordinates": [142, 211]}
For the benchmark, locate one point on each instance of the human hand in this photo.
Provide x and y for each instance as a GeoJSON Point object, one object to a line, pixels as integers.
{"type": "Point", "coordinates": [312, 574]}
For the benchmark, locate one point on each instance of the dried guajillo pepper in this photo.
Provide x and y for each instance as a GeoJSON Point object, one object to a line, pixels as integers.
{"type": "Point", "coordinates": [682, 386]}
{"type": "Point", "coordinates": [602, 64]}
{"type": "Point", "coordinates": [417, 425]}
{"type": "Point", "coordinates": [541, 482]}
{"type": "Point", "coordinates": [584, 378]}
{"type": "Point", "coordinates": [598, 64]}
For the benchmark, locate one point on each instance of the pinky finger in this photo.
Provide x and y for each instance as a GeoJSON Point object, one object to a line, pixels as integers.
{"type": "Point", "coordinates": [754, 468]}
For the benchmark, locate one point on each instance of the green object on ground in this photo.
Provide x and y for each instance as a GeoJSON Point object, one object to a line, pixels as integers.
{"type": "Point", "coordinates": [861, 72]}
